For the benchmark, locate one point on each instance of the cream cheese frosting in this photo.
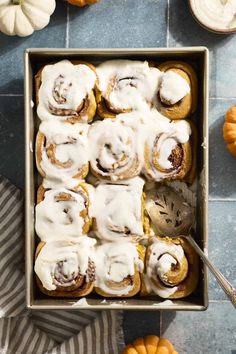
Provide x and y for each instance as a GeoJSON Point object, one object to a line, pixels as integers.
{"type": "Point", "coordinates": [73, 258]}
{"type": "Point", "coordinates": [64, 86]}
{"type": "Point", "coordinates": [216, 14]}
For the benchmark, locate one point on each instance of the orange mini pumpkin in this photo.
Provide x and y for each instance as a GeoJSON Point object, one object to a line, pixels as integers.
{"type": "Point", "coordinates": [150, 345]}
{"type": "Point", "coordinates": [229, 130]}
{"type": "Point", "coordinates": [82, 3]}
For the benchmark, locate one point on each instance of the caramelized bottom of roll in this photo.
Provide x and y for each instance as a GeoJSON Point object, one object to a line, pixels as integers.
{"type": "Point", "coordinates": [83, 288]}
{"type": "Point", "coordinates": [188, 104]}
{"type": "Point", "coordinates": [135, 280]}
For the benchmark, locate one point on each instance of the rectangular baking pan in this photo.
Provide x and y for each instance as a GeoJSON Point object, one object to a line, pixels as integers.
{"type": "Point", "coordinates": [36, 58]}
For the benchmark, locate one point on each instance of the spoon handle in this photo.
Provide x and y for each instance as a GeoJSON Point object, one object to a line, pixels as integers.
{"type": "Point", "coordinates": [229, 290]}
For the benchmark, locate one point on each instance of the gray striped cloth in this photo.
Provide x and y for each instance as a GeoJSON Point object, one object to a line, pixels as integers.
{"type": "Point", "coordinates": [52, 332]}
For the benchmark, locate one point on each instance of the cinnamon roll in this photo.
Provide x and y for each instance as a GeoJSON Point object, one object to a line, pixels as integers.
{"type": "Point", "coordinates": [65, 91]}
{"type": "Point", "coordinates": [65, 268]}
{"type": "Point", "coordinates": [171, 268]}
{"type": "Point", "coordinates": [125, 85]}
{"type": "Point", "coordinates": [118, 211]}
{"type": "Point", "coordinates": [62, 213]}
{"type": "Point", "coordinates": [177, 96]}
{"type": "Point", "coordinates": [168, 154]}
{"type": "Point", "coordinates": [62, 151]}
{"type": "Point", "coordinates": [113, 150]}
{"type": "Point", "coordinates": [118, 268]}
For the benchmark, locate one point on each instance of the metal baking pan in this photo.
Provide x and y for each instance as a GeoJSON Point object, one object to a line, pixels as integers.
{"type": "Point", "coordinates": [34, 59]}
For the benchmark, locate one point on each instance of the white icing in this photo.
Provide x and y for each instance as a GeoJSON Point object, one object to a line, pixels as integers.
{"type": "Point", "coordinates": [173, 87]}
{"type": "Point", "coordinates": [114, 262]}
{"type": "Point", "coordinates": [162, 255]}
{"type": "Point", "coordinates": [164, 303]}
{"type": "Point", "coordinates": [74, 255]}
{"type": "Point", "coordinates": [57, 220]}
{"type": "Point", "coordinates": [118, 208]}
{"type": "Point", "coordinates": [136, 83]}
{"type": "Point", "coordinates": [163, 137]}
{"type": "Point", "coordinates": [216, 14]}
{"type": "Point", "coordinates": [71, 148]}
{"type": "Point", "coordinates": [113, 148]}
{"type": "Point", "coordinates": [71, 82]}
{"type": "Point", "coordinates": [81, 302]}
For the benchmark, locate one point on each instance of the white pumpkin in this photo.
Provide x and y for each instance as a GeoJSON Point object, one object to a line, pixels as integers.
{"type": "Point", "coordinates": [23, 17]}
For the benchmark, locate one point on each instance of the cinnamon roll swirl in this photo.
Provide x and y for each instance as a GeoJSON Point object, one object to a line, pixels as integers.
{"type": "Point", "coordinates": [118, 211]}
{"type": "Point", "coordinates": [62, 213]}
{"type": "Point", "coordinates": [125, 85]}
{"type": "Point", "coordinates": [168, 154]}
{"type": "Point", "coordinates": [177, 96]}
{"type": "Point", "coordinates": [65, 91]}
{"type": "Point", "coordinates": [118, 268]}
{"type": "Point", "coordinates": [171, 268]}
{"type": "Point", "coordinates": [65, 268]}
{"type": "Point", "coordinates": [113, 150]}
{"type": "Point", "coordinates": [61, 151]}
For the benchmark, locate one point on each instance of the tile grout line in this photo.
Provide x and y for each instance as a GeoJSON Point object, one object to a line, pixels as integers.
{"type": "Point", "coordinates": [222, 199]}
{"type": "Point", "coordinates": [67, 26]}
{"type": "Point", "coordinates": [160, 323]}
{"type": "Point", "coordinates": [168, 23]}
{"type": "Point", "coordinates": [11, 94]}
{"type": "Point", "coordinates": [222, 98]}
{"type": "Point", "coordinates": [219, 301]}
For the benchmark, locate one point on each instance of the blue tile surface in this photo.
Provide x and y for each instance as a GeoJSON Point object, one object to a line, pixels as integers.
{"type": "Point", "coordinates": [210, 332]}
{"type": "Point", "coordinates": [141, 323]}
{"type": "Point", "coordinates": [12, 50]}
{"type": "Point", "coordinates": [184, 31]}
{"type": "Point", "coordinates": [12, 139]}
{"type": "Point", "coordinates": [222, 244]}
{"type": "Point", "coordinates": [222, 163]}
{"type": "Point", "coordinates": [119, 23]}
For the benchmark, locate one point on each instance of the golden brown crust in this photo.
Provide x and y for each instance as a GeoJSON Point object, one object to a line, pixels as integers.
{"type": "Point", "coordinates": [129, 173]}
{"type": "Point", "coordinates": [136, 279]}
{"type": "Point", "coordinates": [87, 108]}
{"type": "Point", "coordinates": [83, 290]}
{"type": "Point", "coordinates": [191, 174]}
{"type": "Point", "coordinates": [186, 273]}
{"type": "Point", "coordinates": [188, 104]}
{"type": "Point", "coordinates": [181, 171]}
{"type": "Point", "coordinates": [40, 144]}
{"type": "Point", "coordinates": [136, 288]}
{"type": "Point", "coordinates": [80, 188]}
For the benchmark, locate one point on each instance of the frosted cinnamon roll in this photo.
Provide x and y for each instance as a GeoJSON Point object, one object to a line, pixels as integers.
{"type": "Point", "coordinates": [171, 268]}
{"type": "Point", "coordinates": [62, 213]}
{"type": "Point", "coordinates": [113, 151]}
{"type": "Point", "coordinates": [65, 268]}
{"type": "Point", "coordinates": [61, 151]}
{"type": "Point", "coordinates": [125, 85]}
{"type": "Point", "coordinates": [168, 154]}
{"type": "Point", "coordinates": [118, 211]}
{"type": "Point", "coordinates": [118, 268]}
{"type": "Point", "coordinates": [64, 91]}
{"type": "Point", "coordinates": [177, 96]}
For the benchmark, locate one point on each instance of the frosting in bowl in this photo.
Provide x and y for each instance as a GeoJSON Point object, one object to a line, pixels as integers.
{"type": "Point", "coordinates": [218, 15]}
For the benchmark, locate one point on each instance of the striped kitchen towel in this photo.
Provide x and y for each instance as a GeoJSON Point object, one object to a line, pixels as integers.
{"type": "Point", "coordinates": [25, 332]}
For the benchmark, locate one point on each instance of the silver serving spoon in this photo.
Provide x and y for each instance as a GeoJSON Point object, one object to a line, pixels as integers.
{"type": "Point", "coordinates": [172, 216]}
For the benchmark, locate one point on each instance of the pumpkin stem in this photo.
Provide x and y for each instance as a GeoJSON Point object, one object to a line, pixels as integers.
{"type": "Point", "coordinates": [17, 2]}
